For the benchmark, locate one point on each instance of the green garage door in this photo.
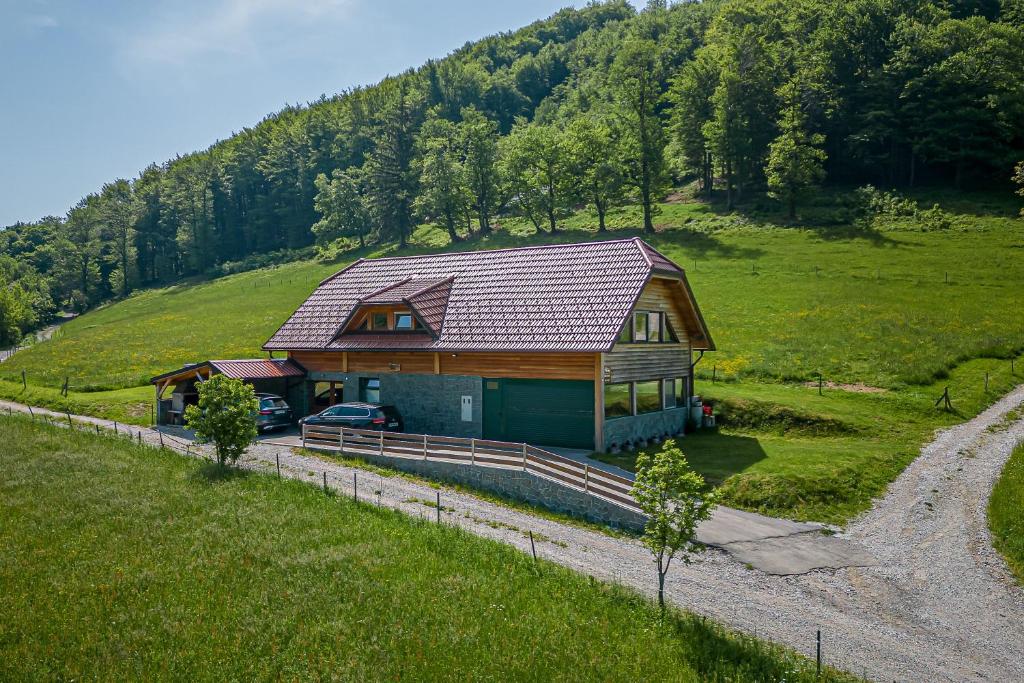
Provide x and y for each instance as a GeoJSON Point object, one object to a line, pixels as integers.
{"type": "Point", "coordinates": [539, 411]}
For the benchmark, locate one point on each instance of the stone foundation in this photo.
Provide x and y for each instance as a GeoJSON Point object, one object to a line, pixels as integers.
{"type": "Point", "coordinates": [520, 485]}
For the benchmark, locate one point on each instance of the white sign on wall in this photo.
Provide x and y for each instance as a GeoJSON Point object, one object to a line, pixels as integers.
{"type": "Point", "coordinates": [467, 408]}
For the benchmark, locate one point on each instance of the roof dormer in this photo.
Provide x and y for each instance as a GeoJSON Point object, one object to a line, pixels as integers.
{"type": "Point", "coordinates": [409, 306]}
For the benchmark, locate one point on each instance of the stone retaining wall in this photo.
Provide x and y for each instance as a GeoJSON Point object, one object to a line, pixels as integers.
{"type": "Point", "coordinates": [636, 431]}
{"type": "Point", "coordinates": [520, 485]}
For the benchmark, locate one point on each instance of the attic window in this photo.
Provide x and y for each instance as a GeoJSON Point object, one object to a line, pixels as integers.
{"type": "Point", "coordinates": [403, 321]}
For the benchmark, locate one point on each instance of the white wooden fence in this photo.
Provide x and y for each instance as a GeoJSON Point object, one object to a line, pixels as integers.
{"type": "Point", "coordinates": [473, 453]}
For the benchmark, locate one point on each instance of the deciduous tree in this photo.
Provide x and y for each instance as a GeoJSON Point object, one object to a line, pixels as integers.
{"type": "Point", "coordinates": [341, 203]}
{"type": "Point", "coordinates": [590, 144]}
{"type": "Point", "coordinates": [479, 139]}
{"type": "Point", "coordinates": [444, 192]}
{"type": "Point", "coordinates": [225, 416]}
{"type": "Point", "coordinates": [636, 78]}
{"type": "Point", "coordinates": [673, 497]}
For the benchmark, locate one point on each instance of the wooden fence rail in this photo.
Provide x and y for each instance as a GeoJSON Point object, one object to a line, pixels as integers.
{"type": "Point", "coordinates": [473, 452]}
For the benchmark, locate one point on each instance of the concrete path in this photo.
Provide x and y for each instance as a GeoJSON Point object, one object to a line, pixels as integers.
{"type": "Point", "coordinates": [939, 605]}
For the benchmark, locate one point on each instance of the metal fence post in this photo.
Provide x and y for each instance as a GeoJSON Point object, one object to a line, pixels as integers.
{"type": "Point", "coordinates": [424, 446]}
{"type": "Point", "coordinates": [524, 457]}
{"type": "Point", "coordinates": [819, 651]}
{"type": "Point", "coordinates": [586, 477]}
{"type": "Point", "coordinates": [304, 437]}
{"type": "Point", "coordinates": [472, 451]}
{"type": "Point", "coordinates": [382, 443]}
{"type": "Point", "coordinates": [341, 439]}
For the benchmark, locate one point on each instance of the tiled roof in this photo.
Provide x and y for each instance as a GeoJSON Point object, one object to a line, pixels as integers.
{"type": "Point", "coordinates": [258, 368]}
{"type": "Point", "coordinates": [569, 297]}
{"type": "Point", "coordinates": [431, 304]}
{"type": "Point", "coordinates": [398, 292]}
{"type": "Point", "coordinates": [247, 368]}
{"type": "Point", "coordinates": [659, 260]}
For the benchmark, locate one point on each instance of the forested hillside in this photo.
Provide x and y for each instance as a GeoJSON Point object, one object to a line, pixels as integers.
{"type": "Point", "coordinates": [595, 107]}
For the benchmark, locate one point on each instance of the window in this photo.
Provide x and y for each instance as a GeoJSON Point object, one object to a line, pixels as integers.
{"type": "Point", "coordinates": [403, 321]}
{"type": "Point", "coordinates": [648, 326]}
{"type": "Point", "coordinates": [670, 334]}
{"type": "Point", "coordinates": [654, 327]}
{"type": "Point", "coordinates": [669, 393]}
{"type": "Point", "coordinates": [369, 390]}
{"type": "Point", "coordinates": [618, 401]}
{"type": "Point", "coordinates": [626, 336]}
{"type": "Point", "coordinates": [681, 392]}
{"type": "Point", "coordinates": [648, 396]}
{"type": "Point", "coordinates": [640, 327]}
{"type": "Point", "coordinates": [378, 321]}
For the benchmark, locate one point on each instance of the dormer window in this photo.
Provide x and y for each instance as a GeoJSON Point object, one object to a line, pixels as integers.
{"type": "Point", "coordinates": [387, 321]}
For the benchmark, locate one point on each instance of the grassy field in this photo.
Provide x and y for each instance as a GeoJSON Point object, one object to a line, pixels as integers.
{"type": "Point", "coordinates": [784, 450]}
{"type": "Point", "coordinates": [908, 306]}
{"type": "Point", "coordinates": [783, 302]}
{"type": "Point", "coordinates": [125, 562]}
{"type": "Point", "coordinates": [1005, 518]}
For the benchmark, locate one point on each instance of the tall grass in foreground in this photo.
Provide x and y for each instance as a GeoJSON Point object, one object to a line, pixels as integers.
{"type": "Point", "coordinates": [1006, 513]}
{"type": "Point", "coordinates": [121, 561]}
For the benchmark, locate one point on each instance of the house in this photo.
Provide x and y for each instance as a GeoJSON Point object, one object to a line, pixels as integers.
{"type": "Point", "coordinates": [582, 345]}
{"type": "Point", "coordinates": [273, 376]}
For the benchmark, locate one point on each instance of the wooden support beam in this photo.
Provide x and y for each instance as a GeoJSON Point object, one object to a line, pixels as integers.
{"type": "Point", "coordinates": [344, 361]}
{"type": "Point", "coordinates": [437, 363]}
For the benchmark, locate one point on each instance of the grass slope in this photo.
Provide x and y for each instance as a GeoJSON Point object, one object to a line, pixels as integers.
{"type": "Point", "coordinates": [124, 562]}
{"type": "Point", "coordinates": [784, 302]}
{"type": "Point", "coordinates": [1005, 517]}
{"type": "Point", "coordinates": [786, 451]}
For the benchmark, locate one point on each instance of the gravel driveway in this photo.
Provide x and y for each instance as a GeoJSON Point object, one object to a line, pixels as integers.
{"type": "Point", "coordinates": [939, 606]}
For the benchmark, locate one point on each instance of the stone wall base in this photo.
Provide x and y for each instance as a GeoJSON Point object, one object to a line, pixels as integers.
{"type": "Point", "coordinates": [519, 485]}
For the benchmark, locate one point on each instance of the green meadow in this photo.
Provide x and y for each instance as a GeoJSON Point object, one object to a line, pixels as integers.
{"type": "Point", "coordinates": [1004, 512]}
{"type": "Point", "coordinates": [124, 562]}
{"type": "Point", "coordinates": [888, 315]}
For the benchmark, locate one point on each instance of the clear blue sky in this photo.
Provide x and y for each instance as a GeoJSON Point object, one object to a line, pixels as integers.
{"type": "Point", "coordinates": [92, 91]}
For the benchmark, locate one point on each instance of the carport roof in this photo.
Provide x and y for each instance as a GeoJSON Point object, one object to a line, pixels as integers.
{"type": "Point", "coordinates": [242, 368]}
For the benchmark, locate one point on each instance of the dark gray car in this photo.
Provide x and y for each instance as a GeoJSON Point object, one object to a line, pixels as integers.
{"type": "Point", "coordinates": [274, 412]}
{"type": "Point", "coordinates": [359, 416]}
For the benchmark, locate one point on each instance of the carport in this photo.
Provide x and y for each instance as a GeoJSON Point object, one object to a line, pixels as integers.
{"type": "Point", "coordinates": [279, 376]}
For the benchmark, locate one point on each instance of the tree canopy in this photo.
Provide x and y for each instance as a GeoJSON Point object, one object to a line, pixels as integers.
{"type": "Point", "coordinates": [594, 106]}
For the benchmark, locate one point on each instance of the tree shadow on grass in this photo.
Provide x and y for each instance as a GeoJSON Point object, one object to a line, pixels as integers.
{"type": "Point", "coordinates": [215, 473]}
{"type": "Point", "coordinates": [716, 456]}
{"type": "Point", "coordinates": [701, 242]}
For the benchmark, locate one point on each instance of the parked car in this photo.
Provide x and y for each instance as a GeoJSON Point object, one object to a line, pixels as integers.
{"type": "Point", "coordinates": [359, 416]}
{"type": "Point", "coordinates": [274, 412]}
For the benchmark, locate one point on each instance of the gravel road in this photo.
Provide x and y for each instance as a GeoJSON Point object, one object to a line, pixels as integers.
{"type": "Point", "coordinates": [939, 606]}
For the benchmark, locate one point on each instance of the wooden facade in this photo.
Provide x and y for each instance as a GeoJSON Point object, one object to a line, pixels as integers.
{"type": "Point", "coordinates": [497, 365]}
